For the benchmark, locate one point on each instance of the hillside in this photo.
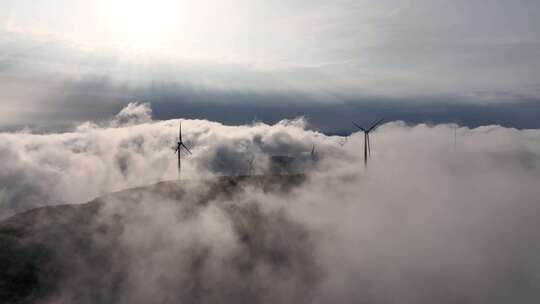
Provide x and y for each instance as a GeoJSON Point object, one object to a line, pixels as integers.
{"type": "Point", "coordinates": [48, 253]}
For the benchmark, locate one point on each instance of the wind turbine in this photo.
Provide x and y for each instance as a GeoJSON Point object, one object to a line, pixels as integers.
{"type": "Point", "coordinates": [455, 136]}
{"type": "Point", "coordinates": [250, 165]}
{"type": "Point", "coordinates": [313, 154]}
{"type": "Point", "coordinates": [178, 149]}
{"type": "Point", "coordinates": [367, 146]}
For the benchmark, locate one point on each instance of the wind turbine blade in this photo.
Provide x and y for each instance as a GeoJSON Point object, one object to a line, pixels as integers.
{"type": "Point", "coordinates": [180, 132]}
{"type": "Point", "coordinates": [359, 126]}
{"type": "Point", "coordinates": [186, 148]}
{"type": "Point", "coordinates": [375, 124]}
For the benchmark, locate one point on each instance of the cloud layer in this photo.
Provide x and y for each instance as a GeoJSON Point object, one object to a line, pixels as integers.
{"type": "Point", "coordinates": [132, 150]}
{"type": "Point", "coordinates": [443, 214]}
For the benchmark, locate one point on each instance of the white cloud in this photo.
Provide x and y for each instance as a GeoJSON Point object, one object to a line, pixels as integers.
{"type": "Point", "coordinates": [428, 221]}
{"type": "Point", "coordinates": [133, 114]}
{"type": "Point", "coordinates": [74, 167]}
{"type": "Point", "coordinates": [133, 150]}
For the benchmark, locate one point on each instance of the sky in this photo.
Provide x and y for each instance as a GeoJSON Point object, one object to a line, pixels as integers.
{"type": "Point", "coordinates": [470, 62]}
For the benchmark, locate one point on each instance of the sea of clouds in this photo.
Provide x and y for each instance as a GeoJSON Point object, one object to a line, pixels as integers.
{"type": "Point", "coordinates": [443, 214]}
{"type": "Point", "coordinates": [132, 150]}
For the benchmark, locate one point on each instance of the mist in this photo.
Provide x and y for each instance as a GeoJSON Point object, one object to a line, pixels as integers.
{"type": "Point", "coordinates": [441, 214]}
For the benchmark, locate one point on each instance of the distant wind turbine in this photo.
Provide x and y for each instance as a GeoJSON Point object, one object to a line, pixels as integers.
{"type": "Point", "coordinates": [313, 154]}
{"type": "Point", "coordinates": [367, 146]}
{"type": "Point", "coordinates": [455, 136]}
{"type": "Point", "coordinates": [250, 165]}
{"type": "Point", "coordinates": [178, 149]}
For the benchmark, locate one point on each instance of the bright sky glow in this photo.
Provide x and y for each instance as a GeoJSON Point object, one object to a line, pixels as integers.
{"type": "Point", "coordinates": [143, 24]}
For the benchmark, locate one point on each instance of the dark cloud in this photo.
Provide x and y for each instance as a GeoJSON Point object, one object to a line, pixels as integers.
{"type": "Point", "coordinates": [97, 98]}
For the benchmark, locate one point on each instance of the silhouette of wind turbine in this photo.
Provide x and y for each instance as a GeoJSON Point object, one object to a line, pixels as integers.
{"type": "Point", "coordinates": [250, 165]}
{"type": "Point", "coordinates": [313, 154]}
{"type": "Point", "coordinates": [455, 136]}
{"type": "Point", "coordinates": [179, 145]}
{"type": "Point", "coordinates": [367, 146]}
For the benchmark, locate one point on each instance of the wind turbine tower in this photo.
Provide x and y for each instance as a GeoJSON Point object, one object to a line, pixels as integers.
{"type": "Point", "coordinates": [367, 146]}
{"type": "Point", "coordinates": [455, 136]}
{"type": "Point", "coordinates": [250, 165]}
{"type": "Point", "coordinates": [313, 154]}
{"type": "Point", "coordinates": [178, 149]}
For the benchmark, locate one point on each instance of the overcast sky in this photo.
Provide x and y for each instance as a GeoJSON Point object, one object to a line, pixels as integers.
{"type": "Point", "coordinates": [473, 62]}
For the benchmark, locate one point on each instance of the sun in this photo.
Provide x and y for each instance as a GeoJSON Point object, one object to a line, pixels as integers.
{"type": "Point", "coordinates": [142, 24]}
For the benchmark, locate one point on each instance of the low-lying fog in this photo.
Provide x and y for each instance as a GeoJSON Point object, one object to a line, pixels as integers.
{"type": "Point", "coordinates": [443, 214]}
